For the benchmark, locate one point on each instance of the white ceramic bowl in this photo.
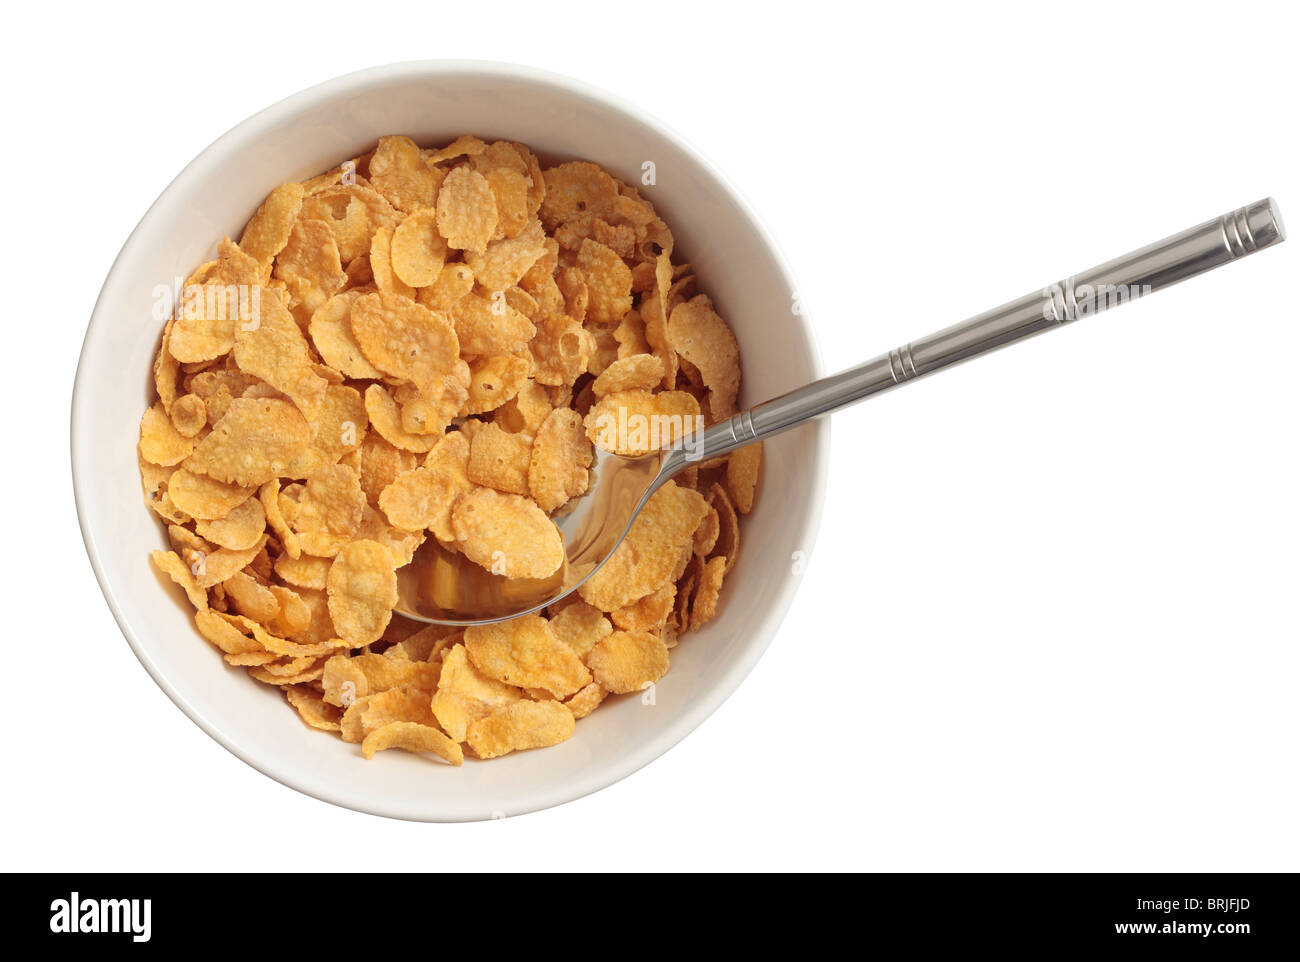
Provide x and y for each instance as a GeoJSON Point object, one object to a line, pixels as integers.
{"type": "Point", "coordinates": [738, 264]}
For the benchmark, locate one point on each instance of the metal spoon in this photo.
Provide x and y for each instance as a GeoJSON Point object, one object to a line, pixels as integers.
{"type": "Point", "coordinates": [444, 587]}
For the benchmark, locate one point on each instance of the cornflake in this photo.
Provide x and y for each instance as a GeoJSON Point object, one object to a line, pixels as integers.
{"type": "Point", "coordinates": [430, 342]}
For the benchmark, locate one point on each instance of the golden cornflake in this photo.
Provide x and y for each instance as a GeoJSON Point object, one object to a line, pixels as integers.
{"type": "Point", "coordinates": [742, 475]}
{"type": "Point", "coordinates": [381, 265]}
{"type": "Point", "coordinates": [354, 213]}
{"type": "Point", "coordinates": [310, 266]}
{"type": "Point", "coordinates": [519, 726]}
{"type": "Point", "coordinates": [580, 626]}
{"type": "Point", "coordinates": [326, 513]}
{"type": "Point", "coordinates": [647, 555]}
{"type": "Point", "coordinates": [465, 694]}
{"type": "Point", "coordinates": [275, 350]}
{"type": "Point", "coordinates": [362, 588]}
{"type": "Point", "coordinates": [525, 652]}
{"type": "Point", "coordinates": [166, 370]}
{"type": "Point", "coordinates": [525, 412]}
{"type": "Point", "coordinates": [408, 341]}
{"type": "Point", "coordinates": [206, 320]}
{"type": "Point", "coordinates": [337, 428]}
{"type": "Point", "coordinates": [412, 737]}
{"type": "Point", "coordinates": [562, 350]}
{"type": "Point", "coordinates": [418, 250]}
{"type": "Point", "coordinates": [250, 597]}
{"type": "Point", "coordinates": [214, 568]}
{"type": "Point", "coordinates": [408, 703]}
{"type": "Point", "coordinates": [609, 283]}
{"type": "Point", "coordinates": [648, 613]}
{"type": "Point", "coordinates": [454, 282]}
{"type": "Point", "coordinates": [255, 441]}
{"type": "Point", "coordinates": [510, 191]}
{"type": "Point", "coordinates": [586, 701]}
{"type": "Point", "coordinates": [628, 661]}
{"type": "Point", "coordinates": [160, 442]}
{"type": "Point", "coordinates": [498, 459]}
{"type": "Point", "coordinates": [636, 372]}
{"type": "Point", "coordinates": [705, 604]}
{"type": "Point", "coordinates": [464, 145]}
{"type": "Point", "coordinates": [386, 418]}
{"type": "Point", "coordinates": [170, 564]}
{"type": "Point", "coordinates": [205, 498]}
{"type": "Point", "coordinates": [574, 189]}
{"type": "Point", "coordinates": [417, 499]}
{"type": "Point", "coordinates": [312, 709]}
{"type": "Point", "coordinates": [506, 261]}
{"type": "Point", "coordinates": [706, 535]}
{"type": "Point", "coordinates": [268, 231]}
{"type": "Point", "coordinates": [467, 210]}
{"type": "Point", "coordinates": [727, 544]}
{"type": "Point", "coordinates": [400, 174]}
{"type": "Point", "coordinates": [239, 529]}
{"type": "Point", "coordinates": [700, 336]}
{"type": "Point", "coordinates": [654, 314]}
{"type": "Point", "coordinates": [305, 571]}
{"type": "Point", "coordinates": [189, 415]}
{"type": "Point", "coordinates": [331, 333]}
{"type": "Point", "coordinates": [490, 326]}
{"type": "Point", "coordinates": [378, 463]}
{"type": "Point", "coordinates": [561, 455]}
{"type": "Point", "coordinates": [507, 534]}
{"type": "Point", "coordinates": [493, 381]}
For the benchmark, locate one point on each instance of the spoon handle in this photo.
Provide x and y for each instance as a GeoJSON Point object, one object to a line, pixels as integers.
{"type": "Point", "coordinates": [1166, 262]}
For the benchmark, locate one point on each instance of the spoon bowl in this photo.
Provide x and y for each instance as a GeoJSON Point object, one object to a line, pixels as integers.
{"type": "Point", "coordinates": [442, 586]}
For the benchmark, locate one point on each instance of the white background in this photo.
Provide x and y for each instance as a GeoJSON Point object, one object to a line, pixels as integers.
{"type": "Point", "coordinates": [1051, 619]}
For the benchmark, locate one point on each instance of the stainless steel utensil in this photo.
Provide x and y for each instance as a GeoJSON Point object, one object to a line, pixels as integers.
{"type": "Point", "coordinates": [446, 588]}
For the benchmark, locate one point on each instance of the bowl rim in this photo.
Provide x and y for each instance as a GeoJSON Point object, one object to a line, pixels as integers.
{"type": "Point", "coordinates": [681, 725]}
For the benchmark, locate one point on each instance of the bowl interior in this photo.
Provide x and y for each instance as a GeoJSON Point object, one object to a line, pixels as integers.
{"type": "Point", "coordinates": [308, 133]}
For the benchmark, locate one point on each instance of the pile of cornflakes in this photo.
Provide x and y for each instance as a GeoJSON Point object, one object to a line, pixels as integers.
{"type": "Point", "coordinates": [427, 343]}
